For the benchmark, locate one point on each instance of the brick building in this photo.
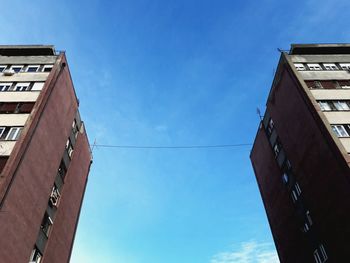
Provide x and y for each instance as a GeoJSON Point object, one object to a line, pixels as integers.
{"type": "Point", "coordinates": [44, 156]}
{"type": "Point", "coordinates": [301, 154]}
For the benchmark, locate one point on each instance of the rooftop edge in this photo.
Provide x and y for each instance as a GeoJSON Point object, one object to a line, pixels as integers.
{"type": "Point", "coordinates": [27, 50]}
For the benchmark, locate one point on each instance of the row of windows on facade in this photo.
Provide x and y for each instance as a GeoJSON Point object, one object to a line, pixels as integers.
{"type": "Point", "coordinates": [16, 107]}
{"type": "Point", "coordinates": [322, 66]}
{"type": "Point", "coordinates": [334, 105]}
{"type": "Point", "coordinates": [328, 84]}
{"type": "Point", "coordinates": [341, 130]}
{"type": "Point", "coordinates": [26, 68]}
{"type": "Point", "coordinates": [21, 86]}
{"type": "Point", "coordinates": [10, 133]}
{"type": "Point", "coordinates": [287, 177]}
{"type": "Point", "coordinates": [55, 195]}
{"type": "Point", "coordinates": [319, 253]}
{"type": "Point", "coordinates": [47, 221]}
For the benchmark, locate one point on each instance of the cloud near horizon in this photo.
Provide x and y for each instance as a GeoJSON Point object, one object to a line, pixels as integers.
{"type": "Point", "coordinates": [248, 252]}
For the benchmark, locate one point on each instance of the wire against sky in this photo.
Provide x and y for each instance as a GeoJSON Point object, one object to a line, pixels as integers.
{"type": "Point", "coordinates": [172, 147]}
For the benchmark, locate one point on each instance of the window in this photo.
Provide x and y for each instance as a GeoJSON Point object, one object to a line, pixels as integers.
{"type": "Point", "coordinates": [17, 68]}
{"type": "Point", "coordinates": [345, 66]}
{"type": "Point", "coordinates": [2, 68]}
{"type": "Point", "coordinates": [314, 66]}
{"type": "Point", "coordinates": [285, 178]}
{"type": "Point", "coordinates": [75, 128]}
{"type": "Point", "coordinates": [62, 170]}
{"type": "Point", "coordinates": [277, 148]}
{"type": "Point", "coordinates": [69, 148]}
{"type": "Point", "coordinates": [47, 68]}
{"type": "Point", "coordinates": [55, 195]}
{"type": "Point", "coordinates": [330, 66]}
{"type": "Point", "coordinates": [270, 126]}
{"type": "Point", "coordinates": [33, 68]}
{"type": "Point", "coordinates": [46, 224]}
{"type": "Point", "coordinates": [2, 129]}
{"type": "Point", "coordinates": [308, 222]}
{"type": "Point", "coordinates": [22, 86]}
{"type": "Point", "coordinates": [296, 192]}
{"type": "Point", "coordinates": [343, 84]}
{"type": "Point", "coordinates": [341, 105]}
{"type": "Point", "coordinates": [14, 134]}
{"type": "Point", "coordinates": [5, 86]}
{"type": "Point", "coordinates": [299, 66]}
{"type": "Point", "coordinates": [320, 254]}
{"type": "Point", "coordinates": [340, 130]}
{"type": "Point", "coordinates": [36, 256]}
{"type": "Point", "coordinates": [325, 106]}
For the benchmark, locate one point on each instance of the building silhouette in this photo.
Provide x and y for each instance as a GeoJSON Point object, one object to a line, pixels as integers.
{"type": "Point", "coordinates": [301, 154]}
{"type": "Point", "coordinates": [44, 156]}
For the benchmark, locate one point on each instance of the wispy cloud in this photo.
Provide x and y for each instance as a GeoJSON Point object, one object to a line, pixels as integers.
{"type": "Point", "coordinates": [248, 252]}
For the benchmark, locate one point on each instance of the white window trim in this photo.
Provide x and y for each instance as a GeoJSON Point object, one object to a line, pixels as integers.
{"type": "Point", "coordinates": [317, 256]}
{"type": "Point", "coordinates": [339, 129]}
{"type": "Point", "coordinates": [330, 66]}
{"type": "Point", "coordinates": [16, 66]}
{"type": "Point", "coordinates": [3, 66]}
{"type": "Point", "coordinates": [344, 66]}
{"type": "Point", "coordinates": [299, 66]}
{"type": "Point", "coordinates": [32, 66]}
{"type": "Point", "coordinates": [47, 66]}
{"type": "Point", "coordinates": [22, 84]}
{"type": "Point", "coordinates": [15, 135]}
{"type": "Point", "coordinates": [324, 105]}
{"type": "Point", "coordinates": [314, 66]}
{"type": "Point", "coordinates": [2, 129]}
{"type": "Point", "coordinates": [6, 84]}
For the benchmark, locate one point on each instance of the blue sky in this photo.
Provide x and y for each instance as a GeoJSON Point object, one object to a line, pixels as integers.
{"type": "Point", "coordinates": [172, 73]}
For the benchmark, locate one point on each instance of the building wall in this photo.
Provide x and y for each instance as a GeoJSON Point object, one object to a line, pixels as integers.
{"type": "Point", "coordinates": [318, 165]}
{"type": "Point", "coordinates": [30, 172]}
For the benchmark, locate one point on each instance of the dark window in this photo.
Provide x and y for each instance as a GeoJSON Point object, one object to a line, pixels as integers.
{"type": "Point", "coordinates": [69, 148]}
{"type": "Point", "coordinates": [35, 256]}
{"type": "Point", "coordinates": [277, 147]}
{"type": "Point", "coordinates": [320, 254]}
{"type": "Point", "coordinates": [46, 224]}
{"type": "Point", "coordinates": [62, 170]}
{"type": "Point", "coordinates": [17, 69]}
{"type": "Point", "coordinates": [32, 69]}
{"type": "Point", "coordinates": [8, 107]}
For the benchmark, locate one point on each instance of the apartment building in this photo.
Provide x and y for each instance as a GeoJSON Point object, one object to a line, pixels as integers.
{"type": "Point", "coordinates": [44, 155]}
{"type": "Point", "coordinates": [301, 156]}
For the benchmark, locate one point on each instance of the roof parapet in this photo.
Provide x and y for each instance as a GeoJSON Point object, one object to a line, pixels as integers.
{"type": "Point", "coordinates": [27, 50]}
{"type": "Point", "coordinates": [319, 49]}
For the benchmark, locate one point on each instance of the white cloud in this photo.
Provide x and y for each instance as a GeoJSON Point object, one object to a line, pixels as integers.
{"type": "Point", "coordinates": [248, 252]}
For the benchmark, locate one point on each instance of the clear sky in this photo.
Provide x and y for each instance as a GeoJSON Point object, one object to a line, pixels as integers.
{"type": "Point", "coordinates": [172, 73]}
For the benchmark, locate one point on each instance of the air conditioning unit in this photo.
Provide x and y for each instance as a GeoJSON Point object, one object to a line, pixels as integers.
{"type": "Point", "coordinates": [8, 72]}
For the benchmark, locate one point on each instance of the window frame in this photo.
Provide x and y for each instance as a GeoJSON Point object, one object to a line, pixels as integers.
{"type": "Point", "coordinates": [17, 66]}
{"type": "Point", "coordinates": [21, 85]}
{"type": "Point", "coordinates": [314, 66]}
{"type": "Point", "coordinates": [330, 66]}
{"type": "Point", "coordinates": [32, 66]}
{"type": "Point", "coordinates": [15, 135]}
{"type": "Point", "coordinates": [318, 252]}
{"type": "Point", "coordinates": [47, 67]}
{"type": "Point", "coordinates": [338, 129]}
{"type": "Point", "coordinates": [300, 66]}
{"type": "Point", "coordinates": [5, 84]}
{"type": "Point", "coordinates": [35, 256]}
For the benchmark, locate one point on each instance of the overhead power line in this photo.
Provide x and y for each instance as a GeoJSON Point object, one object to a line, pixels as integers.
{"type": "Point", "coordinates": [171, 147]}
